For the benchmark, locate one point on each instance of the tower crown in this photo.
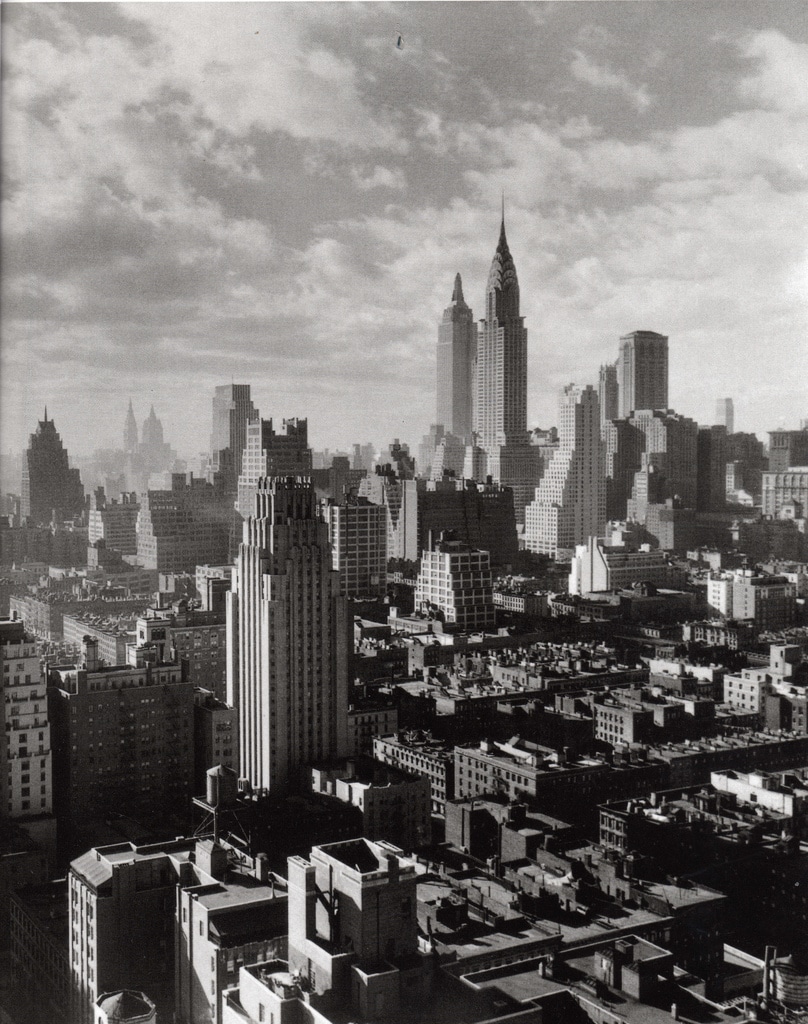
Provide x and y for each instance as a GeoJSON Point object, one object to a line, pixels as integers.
{"type": "Point", "coordinates": [502, 290]}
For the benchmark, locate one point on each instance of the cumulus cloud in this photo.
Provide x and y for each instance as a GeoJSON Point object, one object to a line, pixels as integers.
{"type": "Point", "coordinates": [601, 77]}
{"type": "Point", "coordinates": [379, 177]}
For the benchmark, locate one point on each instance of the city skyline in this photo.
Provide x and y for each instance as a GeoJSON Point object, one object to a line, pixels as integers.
{"type": "Point", "coordinates": [282, 195]}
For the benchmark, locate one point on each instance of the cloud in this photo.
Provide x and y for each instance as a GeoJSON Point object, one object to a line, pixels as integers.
{"type": "Point", "coordinates": [379, 177]}
{"type": "Point", "coordinates": [586, 70]}
{"type": "Point", "coordinates": [778, 82]}
{"type": "Point", "coordinates": [196, 192]}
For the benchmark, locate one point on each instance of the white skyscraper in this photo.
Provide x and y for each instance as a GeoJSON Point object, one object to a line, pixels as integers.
{"type": "Point", "coordinates": [570, 502]}
{"type": "Point", "coordinates": [288, 639]}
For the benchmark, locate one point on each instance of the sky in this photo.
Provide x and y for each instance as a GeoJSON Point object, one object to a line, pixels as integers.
{"type": "Point", "coordinates": [280, 195]}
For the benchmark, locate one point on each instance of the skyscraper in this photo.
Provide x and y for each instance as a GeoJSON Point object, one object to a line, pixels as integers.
{"type": "Point", "coordinates": [500, 413]}
{"type": "Point", "coordinates": [500, 394]}
{"type": "Point", "coordinates": [288, 639]}
{"type": "Point", "coordinates": [457, 342]}
{"type": "Point", "coordinates": [711, 468]}
{"type": "Point", "coordinates": [232, 411]}
{"type": "Point", "coordinates": [270, 453]}
{"type": "Point", "coordinates": [130, 435]}
{"type": "Point", "coordinates": [608, 394]}
{"type": "Point", "coordinates": [49, 485]}
{"type": "Point", "coordinates": [357, 530]}
{"type": "Point", "coordinates": [725, 414]}
{"type": "Point", "coordinates": [668, 464]}
{"type": "Point", "coordinates": [642, 372]}
{"type": "Point", "coordinates": [570, 502]}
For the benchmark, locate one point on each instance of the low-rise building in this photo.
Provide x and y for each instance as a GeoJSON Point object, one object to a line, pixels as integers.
{"type": "Point", "coordinates": [421, 756]}
{"type": "Point", "coordinates": [598, 567]}
{"type": "Point", "coordinates": [395, 804]}
{"type": "Point", "coordinates": [368, 718]}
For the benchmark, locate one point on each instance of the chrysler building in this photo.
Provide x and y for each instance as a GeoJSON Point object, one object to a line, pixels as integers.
{"type": "Point", "coordinates": [503, 447]}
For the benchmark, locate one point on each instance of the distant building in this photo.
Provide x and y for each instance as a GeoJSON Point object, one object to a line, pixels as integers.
{"type": "Point", "coordinates": [642, 372]}
{"type": "Point", "coordinates": [271, 453]}
{"type": "Point", "coordinates": [357, 530]}
{"type": "Point", "coordinates": [479, 514]}
{"type": "Point", "coordinates": [114, 522]}
{"type": "Point", "coordinates": [113, 634]}
{"type": "Point", "coordinates": [725, 414]}
{"type": "Point", "coordinates": [570, 502]}
{"type": "Point", "coordinates": [746, 595]}
{"type": "Point", "coordinates": [608, 394]}
{"type": "Point", "coordinates": [457, 345]}
{"type": "Point", "coordinates": [184, 526]}
{"type": "Point", "coordinates": [668, 464]}
{"type": "Point", "coordinates": [785, 493]}
{"type": "Point", "coordinates": [232, 411]}
{"type": "Point", "coordinates": [50, 488]}
{"type": "Point", "coordinates": [151, 456]}
{"type": "Point", "coordinates": [212, 583]}
{"type": "Point", "coordinates": [597, 567]}
{"type": "Point", "coordinates": [367, 719]}
{"type": "Point", "coordinates": [712, 456]}
{"type": "Point", "coordinates": [454, 583]}
{"type": "Point", "coordinates": [449, 457]}
{"type": "Point", "coordinates": [787, 448]}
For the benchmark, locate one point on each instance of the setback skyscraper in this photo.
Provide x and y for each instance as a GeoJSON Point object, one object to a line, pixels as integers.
{"type": "Point", "coordinates": [500, 410]}
{"type": "Point", "coordinates": [570, 502]}
{"type": "Point", "coordinates": [457, 343]}
{"type": "Point", "coordinates": [49, 486]}
{"type": "Point", "coordinates": [500, 414]}
{"type": "Point", "coordinates": [288, 639]}
{"type": "Point", "coordinates": [642, 372]}
{"type": "Point", "coordinates": [270, 453]}
{"type": "Point", "coordinates": [232, 411]}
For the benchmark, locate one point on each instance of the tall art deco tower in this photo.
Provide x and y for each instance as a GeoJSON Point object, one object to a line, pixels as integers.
{"type": "Point", "coordinates": [457, 344]}
{"type": "Point", "coordinates": [500, 399]}
{"type": "Point", "coordinates": [288, 633]}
